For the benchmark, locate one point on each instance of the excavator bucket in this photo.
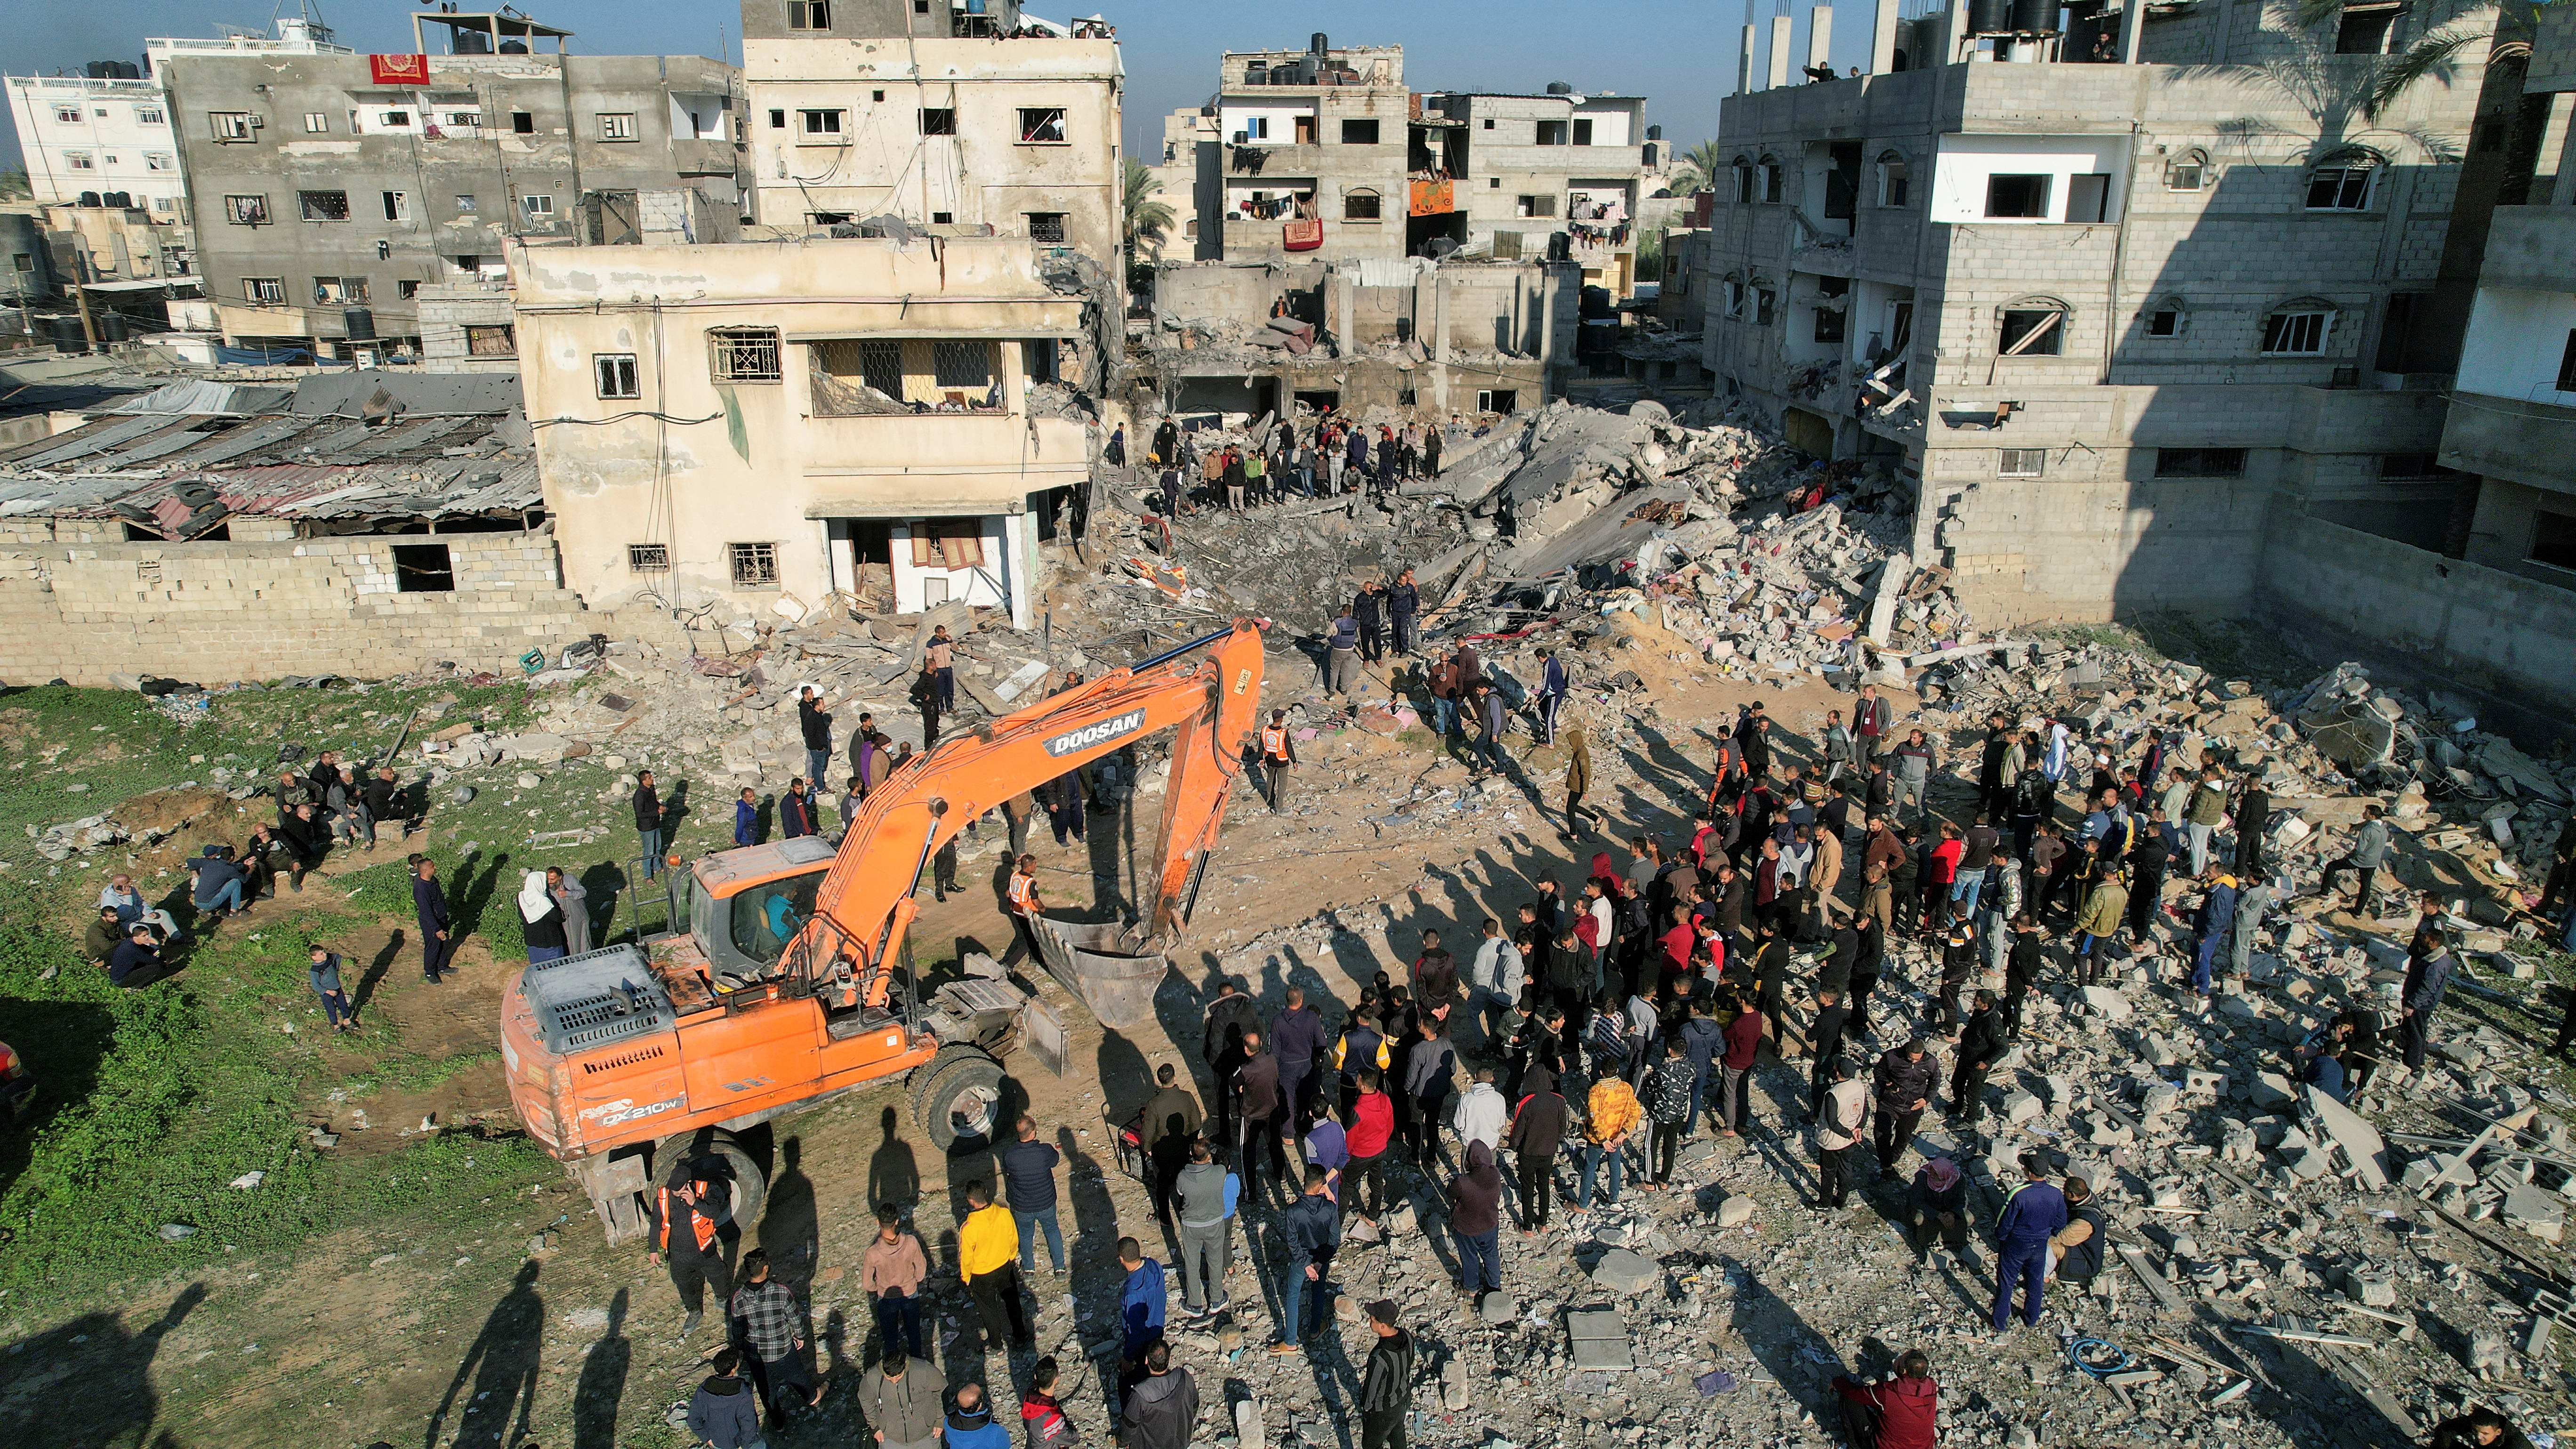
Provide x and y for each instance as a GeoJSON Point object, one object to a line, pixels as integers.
{"type": "Point", "coordinates": [1092, 962]}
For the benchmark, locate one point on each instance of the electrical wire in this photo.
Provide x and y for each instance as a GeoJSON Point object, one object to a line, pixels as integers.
{"type": "Point", "coordinates": [2077, 1351]}
{"type": "Point", "coordinates": [621, 417]}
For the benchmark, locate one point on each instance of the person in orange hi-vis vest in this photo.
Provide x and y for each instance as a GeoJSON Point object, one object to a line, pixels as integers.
{"type": "Point", "coordinates": [1025, 903]}
{"type": "Point", "coordinates": [1278, 752]}
{"type": "Point", "coordinates": [694, 1230]}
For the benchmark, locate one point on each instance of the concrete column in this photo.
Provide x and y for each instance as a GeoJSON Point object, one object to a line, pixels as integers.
{"type": "Point", "coordinates": [1779, 51]}
{"type": "Point", "coordinates": [1882, 38]}
{"type": "Point", "coordinates": [2133, 28]}
{"type": "Point", "coordinates": [1820, 36]}
{"type": "Point", "coordinates": [1744, 63]}
{"type": "Point", "coordinates": [1959, 45]}
{"type": "Point", "coordinates": [1439, 345]}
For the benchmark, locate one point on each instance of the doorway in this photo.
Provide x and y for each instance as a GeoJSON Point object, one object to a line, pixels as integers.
{"type": "Point", "coordinates": [870, 579]}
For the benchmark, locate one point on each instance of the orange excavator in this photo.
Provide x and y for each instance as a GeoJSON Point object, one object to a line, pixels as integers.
{"type": "Point", "coordinates": [791, 984]}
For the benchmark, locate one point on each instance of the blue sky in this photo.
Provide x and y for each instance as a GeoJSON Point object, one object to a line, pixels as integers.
{"type": "Point", "coordinates": [1678, 53]}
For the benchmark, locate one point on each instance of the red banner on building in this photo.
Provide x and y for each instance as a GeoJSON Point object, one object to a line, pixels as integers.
{"type": "Point", "coordinates": [399, 70]}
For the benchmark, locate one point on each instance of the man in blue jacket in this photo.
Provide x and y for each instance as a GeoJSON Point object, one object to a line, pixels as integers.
{"type": "Point", "coordinates": [2211, 929]}
{"type": "Point", "coordinates": [2035, 1212]}
{"type": "Point", "coordinates": [1314, 1229]}
{"type": "Point", "coordinates": [1296, 1036]}
{"type": "Point", "coordinates": [2428, 976]}
{"type": "Point", "coordinates": [1142, 1301]}
{"type": "Point", "coordinates": [437, 927]}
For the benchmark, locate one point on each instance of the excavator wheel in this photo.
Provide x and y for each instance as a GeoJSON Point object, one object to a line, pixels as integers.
{"type": "Point", "coordinates": [958, 1097]}
{"type": "Point", "coordinates": [750, 1187]}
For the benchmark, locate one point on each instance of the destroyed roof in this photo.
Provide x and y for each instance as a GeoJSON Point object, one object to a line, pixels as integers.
{"type": "Point", "coordinates": [439, 445]}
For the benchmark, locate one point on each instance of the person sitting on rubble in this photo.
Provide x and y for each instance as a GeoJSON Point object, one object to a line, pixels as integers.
{"type": "Point", "coordinates": [1898, 1413]}
{"type": "Point", "coordinates": [2479, 1428]}
{"type": "Point", "coordinates": [1937, 1203]}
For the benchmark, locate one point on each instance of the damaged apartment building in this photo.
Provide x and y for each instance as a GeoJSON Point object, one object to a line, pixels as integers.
{"type": "Point", "coordinates": [333, 190]}
{"type": "Point", "coordinates": [771, 425]}
{"type": "Point", "coordinates": [350, 522]}
{"type": "Point", "coordinates": [2144, 304]}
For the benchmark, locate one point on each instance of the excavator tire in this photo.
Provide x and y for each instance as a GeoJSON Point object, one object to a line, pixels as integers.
{"type": "Point", "coordinates": [958, 1098]}
{"type": "Point", "coordinates": [750, 1187]}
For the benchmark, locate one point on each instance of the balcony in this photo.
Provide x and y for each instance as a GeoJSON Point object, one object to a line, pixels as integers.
{"type": "Point", "coordinates": [2502, 437]}
{"type": "Point", "coordinates": [1302, 159]}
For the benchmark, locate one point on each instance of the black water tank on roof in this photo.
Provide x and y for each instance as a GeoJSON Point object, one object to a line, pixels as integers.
{"type": "Point", "coordinates": [360, 323]}
{"type": "Point", "coordinates": [112, 327]}
{"type": "Point", "coordinates": [66, 333]}
{"type": "Point", "coordinates": [120, 200]}
{"type": "Point", "coordinates": [89, 198]}
{"type": "Point", "coordinates": [2035, 17]}
{"type": "Point", "coordinates": [1317, 45]}
{"type": "Point", "coordinates": [1989, 17]}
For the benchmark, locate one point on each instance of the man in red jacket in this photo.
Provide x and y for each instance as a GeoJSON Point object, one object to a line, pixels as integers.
{"type": "Point", "coordinates": [1372, 1122]}
{"type": "Point", "coordinates": [1897, 1413]}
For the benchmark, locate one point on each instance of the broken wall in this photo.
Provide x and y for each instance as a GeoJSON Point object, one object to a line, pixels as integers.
{"type": "Point", "coordinates": [214, 613]}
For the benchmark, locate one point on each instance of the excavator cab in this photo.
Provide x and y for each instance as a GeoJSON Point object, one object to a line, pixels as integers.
{"type": "Point", "coordinates": [746, 905]}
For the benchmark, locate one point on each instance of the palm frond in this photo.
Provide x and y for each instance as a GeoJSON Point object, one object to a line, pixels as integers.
{"type": "Point", "coordinates": [2427, 59]}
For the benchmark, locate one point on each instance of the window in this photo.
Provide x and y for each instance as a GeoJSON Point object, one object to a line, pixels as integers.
{"type": "Point", "coordinates": [948, 543]}
{"type": "Point", "coordinates": [1359, 133]}
{"type": "Point", "coordinates": [1489, 123]}
{"type": "Point", "coordinates": [1551, 133]}
{"type": "Point", "coordinates": [68, 115]}
{"type": "Point", "coordinates": [778, 120]}
{"type": "Point", "coordinates": [1360, 206]}
{"type": "Point", "coordinates": [2553, 539]}
{"type": "Point", "coordinates": [323, 205]}
{"type": "Point", "coordinates": [423, 568]}
{"type": "Point", "coordinates": [2032, 330]}
{"type": "Point", "coordinates": [1535, 206]}
{"type": "Point", "coordinates": [394, 120]}
{"type": "Point", "coordinates": [1256, 128]}
{"type": "Point", "coordinates": [949, 218]}
{"type": "Point", "coordinates": [230, 127]}
{"type": "Point", "coordinates": [809, 14]}
{"type": "Point", "coordinates": [406, 290]}
{"type": "Point", "coordinates": [149, 116]}
{"type": "Point", "coordinates": [491, 340]}
{"type": "Point", "coordinates": [2364, 29]}
{"type": "Point", "coordinates": [1503, 400]}
{"type": "Point", "coordinates": [2340, 188]}
{"type": "Point", "coordinates": [538, 209]}
{"type": "Point", "coordinates": [1046, 226]}
{"type": "Point", "coordinates": [2088, 197]}
{"type": "Point", "coordinates": [1735, 297]}
{"type": "Point", "coordinates": [2186, 172]}
{"type": "Point", "coordinates": [819, 123]}
{"type": "Point", "coordinates": [2025, 197]}
{"type": "Point", "coordinates": [2567, 365]}
{"type": "Point", "coordinates": [2410, 467]}
{"type": "Point", "coordinates": [2020, 462]}
{"type": "Point", "coordinates": [1042, 125]}
{"type": "Point", "coordinates": [878, 98]}
{"type": "Point", "coordinates": [881, 367]}
{"type": "Point", "coordinates": [264, 291]}
{"type": "Point", "coordinates": [466, 205]}
{"type": "Point", "coordinates": [2297, 329]}
{"type": "Point", "coordinates": [755, 565]}
{"type": "Point", "coordinates": [648, 558]}
{"type": "Point", "coordinates": [462, 120]}
{"type": "Point", "coordinates": [337, 291]}
{"type": "Point", "coordinates": [1582, 133]}
{"type": "Point", "coordinates": [967, 365]}
{"type": "Point", "coordinates": [397, 205]}
{"type": "Point", "coordinates": [1743, 170]}
{"type": "Point", "coordinates": [743, 354]}
{"type": "Point", "coordinates": [939, 121]}
{"type": "Point", "coordinates": [1768, 175]}
{"type": "Point", "coordinates": [157, 161]}
{"type": "Point", "coordinates": [1764, 299]}
{"type": "Point", "coordinates": [613, 373]}
{"type": "Point", "coordinates": [2165, 319]}
{"type": "Point", "coordinates": [617, 125]}
{"type": "Point", "coordinates": [522, 123]}
{"type": "Point", "coordinates": [80, 161]}
{"type": "Point", "coordinates": [1829, 318]}
{"type": "Point", "coordinates": [2200, 462]}
{"type": "Point", "coordinates": [1891, 180]}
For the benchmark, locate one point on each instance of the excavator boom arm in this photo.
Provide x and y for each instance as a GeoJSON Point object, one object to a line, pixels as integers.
{"type": "Point", "coordinates": [865, 901]}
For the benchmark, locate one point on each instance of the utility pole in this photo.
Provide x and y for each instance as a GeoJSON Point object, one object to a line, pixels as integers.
{"type": "Point", "coordinates": [80, 292]}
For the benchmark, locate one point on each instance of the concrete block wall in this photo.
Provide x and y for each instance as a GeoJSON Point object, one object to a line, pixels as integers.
{"type": "Point", "coordinates": [2055, 548]}
{"type": "Point", "coordinates": [225, 612]}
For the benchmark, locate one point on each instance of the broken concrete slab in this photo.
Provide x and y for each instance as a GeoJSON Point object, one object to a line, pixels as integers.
{"type": "Point", "coordinates": [1599, 1340]}
{"type": "Point", "coordinates": [2361, 1143]}
{"type": "Point", "coordinates": [2104, 1002]}
{"type": "Point", "coordinates": [1622, 1271]}
{"type": "Point", "coordinates": [2541, 1214]}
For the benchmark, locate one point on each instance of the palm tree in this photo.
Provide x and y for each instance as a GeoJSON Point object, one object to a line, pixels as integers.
{"type": "Point", "coordinates": [1147, 219]}
{"type": "Point", "coordinates": [2451, 26]}
{"type": "Point", "coordinates": [2341, 104]}
{"type": "Point", "coordinates": [1696, 170]}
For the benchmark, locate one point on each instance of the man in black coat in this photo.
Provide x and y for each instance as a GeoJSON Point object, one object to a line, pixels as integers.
{"type": "Point", "coordinates": [648, 823]}
{"type": "Point", "coordinates": [1386, 1386]}
{"type": "Point", "coordinates": [1982, 1042]}
{"type": "Point", "coordinates": [1903, 1083]}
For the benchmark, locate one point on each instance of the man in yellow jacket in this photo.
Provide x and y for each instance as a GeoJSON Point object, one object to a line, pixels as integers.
{"type": "Point", "coordinates": [988, 1252]}
{"type": "Point", "coordinates": [1612, 1113]}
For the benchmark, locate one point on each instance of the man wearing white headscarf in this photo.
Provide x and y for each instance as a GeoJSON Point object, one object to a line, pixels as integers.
{"type": "Point", "coordinates": [543, 919]}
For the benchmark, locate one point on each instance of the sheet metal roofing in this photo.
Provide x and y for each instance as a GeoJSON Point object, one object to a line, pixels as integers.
{"type": "Point", "coordinates": [335, 446]}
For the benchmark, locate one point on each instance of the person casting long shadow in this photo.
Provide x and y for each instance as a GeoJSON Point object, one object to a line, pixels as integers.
{"type": "Point", "coordinates": [502, 1362]}
{"type": "Point", "coordinates": [603, 1382]}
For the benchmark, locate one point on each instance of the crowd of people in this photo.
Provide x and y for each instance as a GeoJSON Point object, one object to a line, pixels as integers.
{"type": "Point", "coordinates": [1329, 457]}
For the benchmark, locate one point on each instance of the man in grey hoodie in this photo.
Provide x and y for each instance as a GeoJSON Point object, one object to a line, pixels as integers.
{"type": "Point", "coordinates": [1203, 1199]}
{"type": "Point", "coordinates": [900, 1397]}
{"type": "Point", "coordinates": [1160, 1412]}
{"type": "Point", "coordinates": [2369, 851]}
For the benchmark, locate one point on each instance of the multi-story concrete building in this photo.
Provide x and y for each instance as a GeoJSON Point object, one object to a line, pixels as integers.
{"type": "Point", "coordinates": [935, 113]}
{"type": "Point", "coordinates": [1321, 154]}
{"type": "Point", "coordinates": [1534, 167]}
{"type": "Point", "coordinates": [2110, 315]}
{"type": "Point", "coordinates": [329, 188]}
{"type": "Point", "coordinates": [1186, 171]}
{"type": "Point", "coordinates": [771, 422]}
{"type": "Point", "coordinates": [103, 139]}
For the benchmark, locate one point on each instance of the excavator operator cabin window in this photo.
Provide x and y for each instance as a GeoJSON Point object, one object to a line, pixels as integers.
{"type": "Point", "coordinates": [767, 916]}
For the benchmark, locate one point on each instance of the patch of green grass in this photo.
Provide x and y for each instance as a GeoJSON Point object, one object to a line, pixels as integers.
{"type": "Point", "coordinates": [154, 1101]}
{"type": "Point", "coordinates": [481, 887]}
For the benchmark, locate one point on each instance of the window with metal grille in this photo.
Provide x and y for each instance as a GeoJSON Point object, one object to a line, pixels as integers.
{"type": "Point", "coordinates": [809, 14]}
{"type": "Point", "coordinates": [614, 372]}
{"type": "Point", "coordinates": [2020, 462]}
{"type": "Point", "coordinates": [2295, 334]}
{"type": "Point", "coordinates": [230, 126]}
{"type": "Point", "coordinates": [755, 565]}
{"type": "Point", "coordinates": [246, 210]}
{"type": "Point", "coordinates": [323, 205]}
{"type": "Point", "coordinates": [948, 543]}
{"type": "Point", "coordinates": [1042, 125]}
{"type": "Point", "coordinates": [939, 120]}
{"type": "Point", "coordinates": [2340, 188]}
{"type": "Point", "coordinates": [491, 340]}
{"type": "Point", "coordinates": [842, 365]}
{"type": "Point", "coordinates": [617, 125]}
{"type": "Point", "coordinates": [648, 558]}
{"type": "Point", "coordinates": [962, 364]}
{"type": "Point", "coordinates": [334, 291]}
{"type": "Point", "coordinates": [2200, 462]}
{"type": "Point", "coordinates": [267, 291]}
{"type": "Point", "coordinates": [1360, 206]}
{"type": "Point", "coordinates": [1046, 226]}
{"type": "Point", "coordinates": [743, 354]}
